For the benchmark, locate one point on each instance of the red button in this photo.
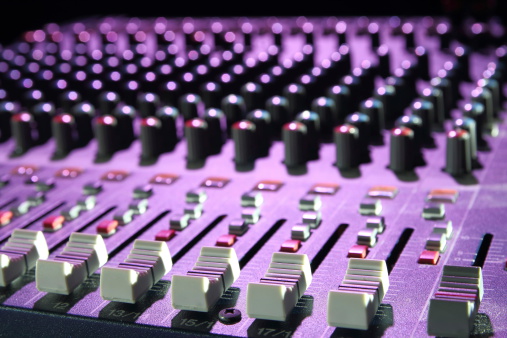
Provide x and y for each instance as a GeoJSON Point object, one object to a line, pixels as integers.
{"type": "Point", "coordinates": [107, 227]}
{"type": "Point", "coordinates": [290, 245]}
{"type": "Point", "coordinates": [165, 235]}
{"type": "Point", "coordinates": [429, 257]}
{"type": "Point", "coordinates": [53, 223]}
{"type": "Point", "coordinates": [226, 240]}
{"type": "Point", "coordinates": [358, 251]}
{"type": "Point", "coordinates": [5, 217]}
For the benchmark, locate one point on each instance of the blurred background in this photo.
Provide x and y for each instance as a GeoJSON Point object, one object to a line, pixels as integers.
{"type": "Point", "coordinates": [20, 15]}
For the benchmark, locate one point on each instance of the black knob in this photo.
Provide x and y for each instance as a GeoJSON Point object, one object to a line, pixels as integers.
{"type": "Point", "coordinates": [253, 95]}
{"type": "Point", "coordinates": [7, 110]}
{"type": "Point", "coordinates": [387, 96]}
{"type": "Point", "coordinates": [170, 93]}
{"type": "Point", "coordinates": [458, 160]}
{"type": "Point", "coordinates": [63, 127]}
{"type": "Point", "coordinates": [408, 31]}
{"type": "Point", "coordinates": [217, 125]}
{"type": "Point", "coordinates": [401, 153]}
{"type": "Point", "coordinates": [346, 140]}
{"type": "Point", "coordinates": [475, 111]}
{"type": "Point", "coordinates": [294, 136]}
{"type": "Point", "coordinates": [374, 109]}
{"type": "Point", "coordinates": [234, 109]}
{"type": "Point", "coordinates": [107, 102]}
{"type": "Point", "coordinates": [197, 137]}
{"type": "Point", "coordinates": [424, 110]}
{"type": "Point", "coordinates": [168, 117]}
{"type": "Point", "coordinates": [277, 30]}
{"type": "Point", "coordinates": [327, 111]}
{"type": "Point", "coordinates": [444, 33]}
{"type": "Point", "coordinates": [340, 94]}
{"type": "Point", "coordinates": [278, 108]}
{"type": "Point", "coordinates": [482, 95]}
{"type": "Point", "coordinates": [151, 139]}
{"type": "Point", "coordinates": [384, 61]}
{"type": "Point", "coordinates": [147, 104]}
{"type": "Point", "coordinates": [191, 106]}
{"type": "Point", "coordinates": [69, 99]}
{"type": "Point", "coordinates": [373, 29]}
{"type": "Point", "coordinates": [362, 123]}
{"type": "Point", "coordinates": [211, 94]}
{"type": "Point", "coordinates": [245, 142]}
{"type": "Point", "coordinates": [31, 98]}
{"type": "Point", "coordinates": [312, 122]}
{"type": "Point", "coordinates": [423, 64]}
{"type": "Point", "coordinates": [434, 95]}
{"type": "Point", "coordinates": [42, 114]}
{"type": "Point", "coordinates": [262, 120]}
{"type": "Point", "coordinates": [445, 87]}
{"type": "Point", "coordinates": [84, 113]}
{"type": "Point", "coordinates": [106, 134]}
{"type": "Point", "coordinates": [125, 116]}
{"type": "Point", "coordinates": [341, 30]}
{"type": "Point", "coordinates": [462, 55]}
{"type": "Point", "coordinates": [22, 125]}
{"type": "Point", "coordinates": [468, 124]}
{"type": "Point", "coordinates": [495, 90]}
{"type": "Point", "coordinates": [296, 97]}
{"type": "Point", "coordinates": [414, 123]}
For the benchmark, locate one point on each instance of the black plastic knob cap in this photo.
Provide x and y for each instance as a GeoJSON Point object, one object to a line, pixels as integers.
{"type": "Point", "coordinates": [374, 109]}
{"type": "Point", "coordinates": [234, 109]}
{"type": "Point", "coordinates": [22, 125]}
{"type": "Point", "coordinates": [294, 136]}
{"type": "Point", "coordinates": [106, 134]}
{"type": "Point", "coordinates": [346, 140]}
{"type": "Point", "coordinates": [147, 104]}
{"type": "Point", "coordinates": [244, 135]}
{"type": "Point", "coordinates": [217, 125]}
{"type": "Point", "coordinates": [262, 120]}
{"type": "Point", "coordinates": [63, 127]}
{"type": "Point", "coordinates": [458, 160]}
{"type": "Point", "coordinates": [197, 138]}
{"type": "Point", "coordinates": [312, 122]}
{"type": "Point", "coordinates": [401, 154]}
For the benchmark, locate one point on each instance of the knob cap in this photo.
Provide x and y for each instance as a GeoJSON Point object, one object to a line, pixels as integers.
{"type": "Point", "coordinates": [190, 106]}
{"type": "Point", "coordinates": [68, 99]}
{"type": "Point", "coordinates": [326, 109]}
{"type": "Point", "coordinates": [197, 137]}
{"type": "Point", "coordinates": [296, 97]}
{"type": "Point", "coordinates": [21, 127]}
{"type": "Point", "coordinates": [7, 110]}
{"type": "Point", "coordinates": [468, 124]}
{"type": "Point", "coordinates": [384, 61]}
{"type": "Point", "coordinates": [262, 120]}
{"type": "Point", "coordinates": [340, 94]}
{"type": "Point", "coordinates": [211, 94]}
{"type": "Point", "coordinates": [424, 110]}
{"type": "Point", "coordinates": [107, 102]}
{"type": "Point", "coordinates": [278, 108]}
{"type": "Point", "coordinates": [435, 96]}
{"type": "Point", "coordinates": [387, 95]}
{"type": "Point", "coordinates": [458, 160]}
{"type": "Point", "coordinates": [84, 113]}
{"type": "Point", "coordinates": [125, 116]}
{"type": "Point", "coordinates": [401, 157]}
{"type": "Point", "coordinates": [253, 95]}
{"type": "Point", "coordinates": [362, 123]}
{"type": "Point", "coordinates": [294, 136]}
{"type": "Point", "coordinates": [245, 142]}
{"type": "Point", "coordinates": [234, 109]}
{"type": "Point", "coordinates": [151, 139]}
{"type": "Point", "coordinates": [374, 109]}
{"type": "Point", "coordinates": [168, 116]}
{"type": "Point", "coordinates": [414, 123]}
{"type": "Point", "coordinates": [63, 127]}
{"type": "Point", "coordinates": [346, 140]}
{"type": "Point", "coordinates": [475, 111]}
{"type": "Point", "coordinates": [147, 104]}
{"type": "Point", "coordinates": [482, 95]}
{"type": "Point", "coordinates": [42, 114]}
{"type": "Point", "coordinates": [423, 63]}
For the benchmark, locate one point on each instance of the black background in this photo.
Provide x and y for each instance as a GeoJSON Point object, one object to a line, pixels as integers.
{"type": "Point", "coordinates": [17, 16]}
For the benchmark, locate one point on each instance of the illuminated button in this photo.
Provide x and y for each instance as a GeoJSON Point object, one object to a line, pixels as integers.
{"type": "Point", "coordinates": [165, 235]}
{"type": "Point", "coordinates": [429, 257]}
{"type": "Point", "coordinates": [324, 189]}
{"type": "Point", "coordinates": [436, 242]}
{"type": "Point", "coordinates": [124, 216]}
{"type": "Point", "coordinates": [6, 217]}
{"type": "Point", "coordinates": [442, 195]}
{"type": "Point", "coordinates": [71, 213]}
{"type": "Point", "coordinates": [444, 227]}
{"type": "Point", "coordinates": [179, 221]}
{"type": "Point", "coordinates": [115, 175]}
{"type": "Point", "coordinates": [107, 227]}
{"type": "Point", "coordinates": [370, 206]}
{"type": "Point", "coordinates": [310, 203]}
{"type": "Point", "coordinates": [377, 223]}
{"type": "Point", "coordinates": [69, 172]}
{"type": "Point", "coordinates": [215, 182]}
{"type": "Point", "coordinates": [268, 185]}
{"type": "Point", "coordinates": [165, 179]}
{"type": "Point", "coordinates": [290, 245]}
{"type": "Point", "coordinates": [196, 196]}
{"type": "Point", "coordinates": [312, 218]}
{"type": "Point", "coordinates": [87, 203]}
{"type": "Point", "coordinates": [367, 237]}
{"type": "Point", "coordinates": [24, 170]}
{"type": "Point", "coordinates": [143, 191]}
{"type": "Point", "coordinates": [358, 251]}
{"type": "Point", "coordinates": [193, 211]}
{"type": "Point", "coordinates": [45, 185]}
{"type": "Point", "coordinates": [383, 191]}
{"type": "Point", "coordinates": [433, 211]}
{"type": "Point", "coordinates": [226, 240]}
{"type": "Point", "coordinates": [92, 188]}
{"type": "Point", "coordinates": [251, 215]}
{"type": "Point", "coordinates": [238, 227]}
{"type": "Point", "coordinates": [300, 232]}
{"type": "Point", "coordinates": [53, 223]}
{"type": "Point", "coordinates": [252, 199]}
{"type": "Point", "coordinates": [139, 207]}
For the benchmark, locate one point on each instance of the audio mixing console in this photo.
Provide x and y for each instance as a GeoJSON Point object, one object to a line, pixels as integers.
{"type": "Point", "coordinates": [254, 177]}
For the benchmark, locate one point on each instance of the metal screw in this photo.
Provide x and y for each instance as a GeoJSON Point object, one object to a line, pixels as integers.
{"type": "Point", "coordinates": [229, 316]}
